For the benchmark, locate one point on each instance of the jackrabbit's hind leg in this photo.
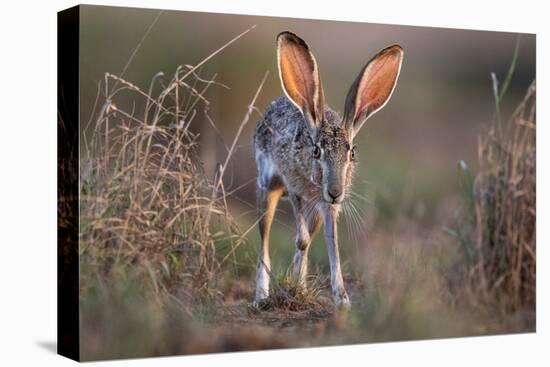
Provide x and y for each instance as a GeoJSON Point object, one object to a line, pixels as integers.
{"type": "Point", "coordinates": [267, 201]}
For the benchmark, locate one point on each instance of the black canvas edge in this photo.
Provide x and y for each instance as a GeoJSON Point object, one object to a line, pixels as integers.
{"type": "Point", "coordinates": [68, 46]}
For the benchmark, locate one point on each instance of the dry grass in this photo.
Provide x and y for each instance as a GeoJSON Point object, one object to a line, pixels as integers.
{"type": "Point", "coordinates": [288, 295]}
{"type": "Point", "coordinates": [147, 207]}
{"type": "Point", "coordinates": [497, 231]}
{"type": "Point", "coordinates": [505, 209]}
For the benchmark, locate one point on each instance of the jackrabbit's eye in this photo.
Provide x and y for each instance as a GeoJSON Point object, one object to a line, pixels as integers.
{"type": "Point", "coordinates": [316, 152]}
{"type": "Point", "coordinates": [352, 154]}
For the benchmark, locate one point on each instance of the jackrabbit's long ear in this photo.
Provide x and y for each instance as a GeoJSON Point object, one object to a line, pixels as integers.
{"type": "Point", "coordinates": [373, 87]}
{"type": "Point", "coordinates": [300, 77]}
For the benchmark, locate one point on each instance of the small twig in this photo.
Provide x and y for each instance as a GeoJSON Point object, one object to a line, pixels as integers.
{"type": "Point", "coordinates": [216, 52]}
{"type": "Point", "coordinates": [136, 49]}
{"type": "Point", "coordinates": [222, 168]}
{"type": "Point", "coordinates": [243, 124]}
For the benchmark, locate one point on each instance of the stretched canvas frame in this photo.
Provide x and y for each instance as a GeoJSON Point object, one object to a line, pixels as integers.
{"type": "Point", "coordinates": [487, 265]}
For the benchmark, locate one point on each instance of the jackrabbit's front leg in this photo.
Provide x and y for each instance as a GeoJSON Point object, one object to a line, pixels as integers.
{"type": "Point", "coordinates": [330, 217]}
{"type": "Point", "coordinates": [307, 225]}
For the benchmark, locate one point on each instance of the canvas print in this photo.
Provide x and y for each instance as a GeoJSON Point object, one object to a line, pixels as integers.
{"type": "Point", "coordinates": [232, 183]}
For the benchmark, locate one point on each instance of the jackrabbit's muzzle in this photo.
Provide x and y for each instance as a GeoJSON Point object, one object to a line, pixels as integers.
{"type": "Point", "coordinates": [333, 189]}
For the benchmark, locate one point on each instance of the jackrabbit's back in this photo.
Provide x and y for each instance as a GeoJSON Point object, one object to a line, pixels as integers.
{"type": "Point", "coordinates": [280, 122]}
{"type": "Point", "coordinates": [281, 142]}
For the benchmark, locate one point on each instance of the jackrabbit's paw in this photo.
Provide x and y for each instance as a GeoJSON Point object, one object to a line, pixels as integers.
{"type": "Point", "coordinates": [341, 300]}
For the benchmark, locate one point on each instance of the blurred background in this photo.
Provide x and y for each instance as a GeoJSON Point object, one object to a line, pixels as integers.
{"type": "Point", "coordinates": [408, 152]}
{"type": "Point", "coordinates": [394, 251]}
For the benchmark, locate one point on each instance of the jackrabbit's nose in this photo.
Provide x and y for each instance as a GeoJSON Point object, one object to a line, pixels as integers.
{"type": "Point", "coordinates": [334, 193]}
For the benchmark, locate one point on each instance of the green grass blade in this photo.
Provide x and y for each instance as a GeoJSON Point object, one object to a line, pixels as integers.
{"type": "Point", "coordinates": [467, 184]}
{"type": "Point", "coordinates": [497, 105]}
{"type": "Point", "coordinates": [511, 69]}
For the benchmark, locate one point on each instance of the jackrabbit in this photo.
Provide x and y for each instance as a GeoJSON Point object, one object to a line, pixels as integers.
{"type": "Point", "coordinates": [304, 151]}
